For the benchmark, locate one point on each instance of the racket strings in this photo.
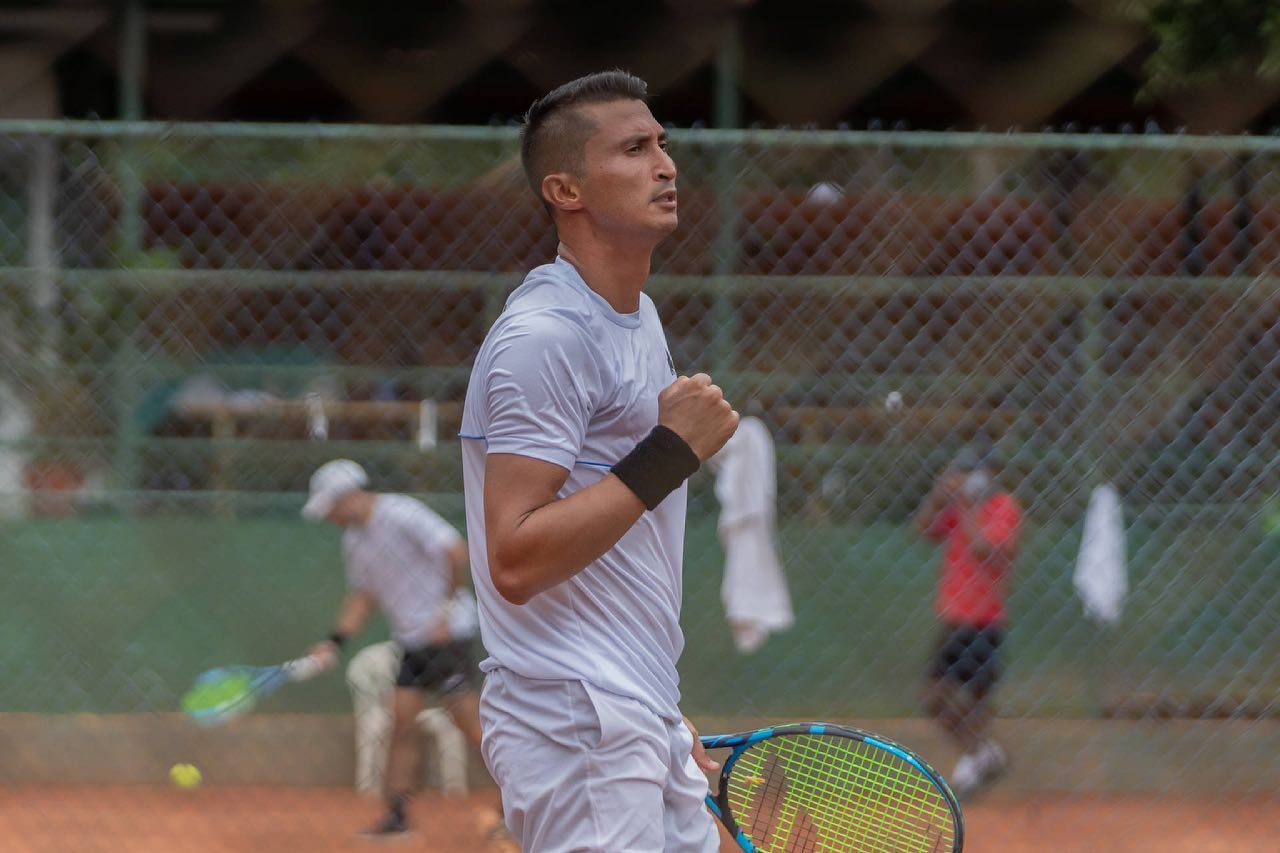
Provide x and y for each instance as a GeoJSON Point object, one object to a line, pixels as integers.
{"type": "Point", "coordinates": [827, 793]}
{"type": "Point", "coordinates": [223, 693]}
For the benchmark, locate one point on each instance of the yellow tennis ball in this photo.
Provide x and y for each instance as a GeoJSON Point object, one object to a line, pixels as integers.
{"type": "Point", "coordinates": [185, 775]}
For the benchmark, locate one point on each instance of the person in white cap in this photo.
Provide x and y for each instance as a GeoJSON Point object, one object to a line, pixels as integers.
{"type": "Point", "coordinates": [405, 559]}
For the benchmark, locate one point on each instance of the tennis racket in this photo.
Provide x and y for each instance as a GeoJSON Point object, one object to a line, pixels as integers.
{"type": "Point", "coordinates": [223, 694]}
{"type": "Point", "coordinates": [822, 787]}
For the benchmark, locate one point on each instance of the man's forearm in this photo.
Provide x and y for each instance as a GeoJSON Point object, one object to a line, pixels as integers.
{"type": "Point", "coordinates": [458, 565]}
{"type": "Point", "coordinates": [928, 513]}
{"type": "Point", "coordinates": [354, 612]}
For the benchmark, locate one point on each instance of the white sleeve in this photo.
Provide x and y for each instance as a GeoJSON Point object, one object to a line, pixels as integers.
{"type": "Point", "coordinates": [432, 532]}
{"type": "Point", "coordinates": [541, 386]}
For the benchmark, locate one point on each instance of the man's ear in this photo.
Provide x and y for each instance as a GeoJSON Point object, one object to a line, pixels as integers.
{"type": "Point", "coordinates": [561, 191]}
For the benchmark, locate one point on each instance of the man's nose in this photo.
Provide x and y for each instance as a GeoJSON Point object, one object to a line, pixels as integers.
{"type": "Point", "coordinates": [666, 167]}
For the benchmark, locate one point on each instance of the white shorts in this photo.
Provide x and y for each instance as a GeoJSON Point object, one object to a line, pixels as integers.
{"type": "Point", "coordinates": [584, 770]}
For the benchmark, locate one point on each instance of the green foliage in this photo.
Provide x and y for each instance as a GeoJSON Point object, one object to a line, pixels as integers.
{"type": "Point", "coordinates": [1200, 42]}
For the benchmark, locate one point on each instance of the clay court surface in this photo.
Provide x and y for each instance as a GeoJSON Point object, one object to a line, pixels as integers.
{"type": "Point", "coordinates": [61, 819]}
{"type": "Point", "coordinates": [1123, 824]}
{"type": "Point", "coordinates": [139, 819]}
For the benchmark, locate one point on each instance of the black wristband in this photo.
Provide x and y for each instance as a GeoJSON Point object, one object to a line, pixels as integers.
{"type": "Point", "coordinates": [338, 638]}
{"type": "Point", "coordinates": [657, 465]}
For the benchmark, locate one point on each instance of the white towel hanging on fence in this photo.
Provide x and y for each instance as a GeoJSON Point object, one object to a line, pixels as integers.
{"type": "Point", "coordinates": [754, 589]}
{"type": "Point", "coordinates": [1101, 576]}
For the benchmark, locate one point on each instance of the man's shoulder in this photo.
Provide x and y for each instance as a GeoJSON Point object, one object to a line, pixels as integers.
{"type": "Point", "coordinates": [399, 508]}
{"type": "Point", "coordinates": [550, 286]}
{"type": "Point", "coordinates": [541, 314]}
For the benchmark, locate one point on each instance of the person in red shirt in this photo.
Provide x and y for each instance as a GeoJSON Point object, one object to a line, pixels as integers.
{"type": "Point", "coordinates": [978, 524]}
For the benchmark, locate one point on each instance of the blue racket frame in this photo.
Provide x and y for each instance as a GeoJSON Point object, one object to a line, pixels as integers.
{"type": "Point", "coordinates": [740, 742]}
{"type": "Point", "coordinates": [263, 681]}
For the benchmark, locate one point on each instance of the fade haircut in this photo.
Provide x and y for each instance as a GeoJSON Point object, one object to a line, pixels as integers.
{"type": "Point", "coordinates": [555, 131]}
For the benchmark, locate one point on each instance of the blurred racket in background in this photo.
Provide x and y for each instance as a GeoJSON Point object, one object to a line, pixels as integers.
{"type": "Point", "coordinates": [220, 695]}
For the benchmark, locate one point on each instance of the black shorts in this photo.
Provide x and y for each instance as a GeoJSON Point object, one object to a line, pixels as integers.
{"type": "Point", "coordinates": [446, 669]}
{"type": "Point", "coordinates": [968, 656]}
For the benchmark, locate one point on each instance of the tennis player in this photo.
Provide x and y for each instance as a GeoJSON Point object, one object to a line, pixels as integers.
{"type": "Point", "coordinates": [979, 526]}
{"type": "Point", "coordinates": [405, 559]}
{"type": "Point", "coordinates": [577, 440]}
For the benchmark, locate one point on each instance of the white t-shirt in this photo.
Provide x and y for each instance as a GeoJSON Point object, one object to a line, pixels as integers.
{"type": "Point", "coordinates": [401, 558]}
{"type": "Point", "coordinates": [564, 378]}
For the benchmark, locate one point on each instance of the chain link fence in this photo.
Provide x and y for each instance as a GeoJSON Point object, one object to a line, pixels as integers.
{"type": "Point", "coordinates": [193, 318]}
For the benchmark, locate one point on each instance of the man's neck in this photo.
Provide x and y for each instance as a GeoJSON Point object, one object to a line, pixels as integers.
{"type": "Point", "coordinates": [616, 272]}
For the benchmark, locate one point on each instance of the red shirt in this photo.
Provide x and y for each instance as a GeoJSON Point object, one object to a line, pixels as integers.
{"type": "Point", "coordinates": [972, 591]}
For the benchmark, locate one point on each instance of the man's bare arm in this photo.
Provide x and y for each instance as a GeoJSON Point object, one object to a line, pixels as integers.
{"type": "Point", "coordinates": [458, 558]}
{"type": "Point", "coordinates": [938, 499]}
{"type": "Point", "coordinates": [536, 540]}
{"type": "Point", "coordinates": [354, 612]}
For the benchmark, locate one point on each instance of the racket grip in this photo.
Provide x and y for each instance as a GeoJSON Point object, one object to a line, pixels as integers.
{"type": "Point", "coordinates": [304, 668]}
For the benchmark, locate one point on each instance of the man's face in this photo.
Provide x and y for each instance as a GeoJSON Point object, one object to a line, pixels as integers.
{"type": "Point", "coordinates": [629, 185]}
{"type": "Point", "coordinates": [343, 512]}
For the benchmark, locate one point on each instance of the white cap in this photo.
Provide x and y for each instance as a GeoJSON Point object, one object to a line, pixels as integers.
{"type": "Point", "coordinates": [330, 482]}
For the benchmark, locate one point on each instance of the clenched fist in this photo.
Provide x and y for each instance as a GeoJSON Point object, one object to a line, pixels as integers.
{"type": "Point", "coordinates": [697, 411]}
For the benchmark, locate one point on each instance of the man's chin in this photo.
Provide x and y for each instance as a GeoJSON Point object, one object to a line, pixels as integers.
{"type": "Point", "coordinates": [667, 224]}
{"type": "Point", "coordinates": [652, 230]}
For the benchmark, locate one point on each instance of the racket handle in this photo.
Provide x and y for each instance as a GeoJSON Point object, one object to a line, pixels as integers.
{"type": "Point", "coordinates": [303, 668]}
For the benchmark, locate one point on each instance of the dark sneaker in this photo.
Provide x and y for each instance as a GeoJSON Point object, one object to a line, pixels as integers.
{"type": "Point", "coordinates": [392, 827]}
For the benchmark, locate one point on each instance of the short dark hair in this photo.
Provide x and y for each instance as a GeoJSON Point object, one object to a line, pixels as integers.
{"type": "Point", "coordinates": [555, 133]}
